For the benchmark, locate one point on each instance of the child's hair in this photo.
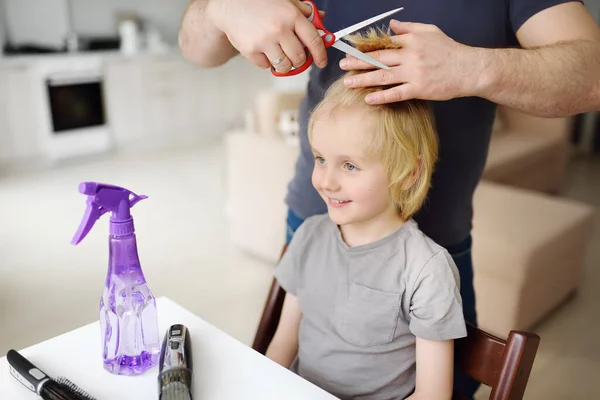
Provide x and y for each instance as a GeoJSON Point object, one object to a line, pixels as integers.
{"type": "Point", "coordinates": [405, 139]}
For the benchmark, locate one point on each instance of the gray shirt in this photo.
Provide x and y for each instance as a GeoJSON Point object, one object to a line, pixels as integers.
{"type": "Point", "coordinates": [363, 306]}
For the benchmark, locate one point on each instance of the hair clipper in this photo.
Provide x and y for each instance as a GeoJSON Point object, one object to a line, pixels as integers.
{"type": "Point", "coordinates": [175, 369]}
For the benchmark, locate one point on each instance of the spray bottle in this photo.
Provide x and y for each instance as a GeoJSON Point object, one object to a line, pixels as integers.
{"type": "Point", "coordinates": [128, 318]}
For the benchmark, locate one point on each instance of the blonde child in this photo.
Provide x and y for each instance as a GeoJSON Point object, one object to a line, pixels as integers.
{"type": "Point", "coordinates": [372, 304]}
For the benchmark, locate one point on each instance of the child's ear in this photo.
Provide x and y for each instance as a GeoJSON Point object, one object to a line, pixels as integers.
{"type": "Point", "coordinates": [410, 182]}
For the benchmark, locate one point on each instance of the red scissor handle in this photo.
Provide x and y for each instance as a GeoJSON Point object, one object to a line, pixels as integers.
{"type": "Point", "coordinates": [328, 40]}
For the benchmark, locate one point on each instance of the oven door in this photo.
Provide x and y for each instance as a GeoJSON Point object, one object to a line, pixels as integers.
{"type": "Point", "coordinates": [76, 121]}
{"type": "Point", "coordinates": [76, 102]}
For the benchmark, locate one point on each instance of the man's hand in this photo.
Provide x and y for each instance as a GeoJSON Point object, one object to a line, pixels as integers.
{"type": "Point", "coordinates": [269, 32]}
{"type": "Point", "coordinates": [554, 74]}
{"type": "Point", "coordinates": [430, 66]}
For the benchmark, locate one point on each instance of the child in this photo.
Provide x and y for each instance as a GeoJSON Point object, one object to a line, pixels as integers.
{"type": "Point", "coordinates": [372, 304]}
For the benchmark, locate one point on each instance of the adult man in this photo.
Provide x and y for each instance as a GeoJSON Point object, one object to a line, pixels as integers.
{"type": "Point", "coordinates": [463, 56]}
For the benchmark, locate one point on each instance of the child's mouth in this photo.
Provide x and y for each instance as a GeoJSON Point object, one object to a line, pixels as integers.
{"type": "Point", "coordinates": [338, 203]}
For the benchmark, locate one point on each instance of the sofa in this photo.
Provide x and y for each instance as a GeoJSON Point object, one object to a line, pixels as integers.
{"type": "Point", "coordinates": [529, 152]}
{"type": "Point", "coordinates": [528, 253]}
{"type": "Point", "coordinates": [528, 243]}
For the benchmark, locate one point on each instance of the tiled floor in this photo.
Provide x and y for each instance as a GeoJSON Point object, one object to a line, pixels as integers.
{"type": "Point", "coordinates": [48, 286]}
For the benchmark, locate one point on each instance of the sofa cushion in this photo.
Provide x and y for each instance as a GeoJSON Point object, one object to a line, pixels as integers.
{"type": "Point", "coordinates": [259, 168]}
{"type": "Point", "coordinates": [510, 153]}
{"type": "Point", "coordinates": [516, 230]}
{"type": "Point", "coordinates": [517, 122]}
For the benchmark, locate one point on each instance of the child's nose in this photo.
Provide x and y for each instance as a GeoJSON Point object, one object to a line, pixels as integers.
{"type": "Point", "coordinates": [330, 181]}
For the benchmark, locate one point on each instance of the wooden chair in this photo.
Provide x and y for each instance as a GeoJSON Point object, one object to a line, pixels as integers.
{"type": "Point", "coordinates": [503, 365]}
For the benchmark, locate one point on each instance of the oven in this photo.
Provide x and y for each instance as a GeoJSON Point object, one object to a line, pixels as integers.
{"type": "Point", "coordinates": [74, 109]}
{"type": "Point", "coordinates": [75, 102]}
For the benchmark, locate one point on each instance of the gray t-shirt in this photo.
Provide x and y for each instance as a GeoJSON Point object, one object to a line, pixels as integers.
{"type": "Point", "coordinates": [363, 306]}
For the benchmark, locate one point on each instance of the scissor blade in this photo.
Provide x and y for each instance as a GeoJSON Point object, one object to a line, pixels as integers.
{"type": "Point", "coordinates": [340, 34]}
{"type": "Point", "coordinates": [346, 48]}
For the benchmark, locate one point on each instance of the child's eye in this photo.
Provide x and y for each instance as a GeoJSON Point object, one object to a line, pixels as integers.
{"type": "Point", "coordinates": [320, 159]}
{"type": "Point", "coordinates": [350, 167]}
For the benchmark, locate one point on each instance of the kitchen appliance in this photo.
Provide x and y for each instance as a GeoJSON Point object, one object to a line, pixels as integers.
{"type": "Point", "coordinates": [73, 118]}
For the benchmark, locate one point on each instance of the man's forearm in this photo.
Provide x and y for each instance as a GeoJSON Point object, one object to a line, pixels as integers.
{"type": "Point", "coordinates": [558, 80]}
{"type": "Point", "coordinates": [200, 40]}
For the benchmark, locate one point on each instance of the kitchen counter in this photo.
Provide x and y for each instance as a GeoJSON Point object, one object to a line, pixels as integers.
{"type": "Point", "coordinates": [150, 100]}
{"type": "Point", "coordinates": [27, 60]}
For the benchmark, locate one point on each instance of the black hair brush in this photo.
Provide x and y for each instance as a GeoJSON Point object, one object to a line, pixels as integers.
{"type": "Point", "coordinates": [38, 382]}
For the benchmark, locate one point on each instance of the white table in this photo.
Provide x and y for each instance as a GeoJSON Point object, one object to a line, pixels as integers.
{"type": "Point", "coordinates": [224, 368]}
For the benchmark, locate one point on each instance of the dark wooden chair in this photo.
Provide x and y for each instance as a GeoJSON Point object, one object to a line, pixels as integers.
{"type": "Point", "coordinates": [503, 365]}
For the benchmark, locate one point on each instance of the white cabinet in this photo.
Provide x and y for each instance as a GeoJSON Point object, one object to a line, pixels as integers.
{"type": "Point", "coordinates": [5, 135]}
{"type": "Point", "coordinates": [123, 94]}
{"type": "Point", "coordinates": [160, 95]}
{"type": "Point", "coordinates": [160, 101]}
{"type": "Point", "coordinates": [150, 101]}
{"type": "Point", "coordinates": [18, 121]}
{"type": "Point", "coordinates": [167, 100]}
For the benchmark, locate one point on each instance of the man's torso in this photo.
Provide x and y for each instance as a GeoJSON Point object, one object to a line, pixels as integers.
{"type": "Point", "coordinates": [464, 125]}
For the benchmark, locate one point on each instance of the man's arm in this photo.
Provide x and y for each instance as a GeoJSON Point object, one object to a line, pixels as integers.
{"type": "Point", "coordinates": [200, 40]}
{"type": "Point", "coordinates": [284, 346]}
{"type": "Point", "coordinates": [263, 31]}
{"type": "Point", "coordinates": [558, 71]}
{"type": "Point", "coordinates": [435, 370]}
{"type": "Point", "coordinates": [555, 74]}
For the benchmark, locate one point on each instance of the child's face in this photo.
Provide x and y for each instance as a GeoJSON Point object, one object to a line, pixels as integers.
{"type": "Point", "coordinates": [353, 183]}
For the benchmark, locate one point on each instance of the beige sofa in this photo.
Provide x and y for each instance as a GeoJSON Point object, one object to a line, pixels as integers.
{"type": "Point", "coordinates": [528, 252]}
{"type": "Point", "coordinates": [529, 152]}
{"type": "Point", "coordinates": [260, 164]}
{"type": "Point", "coordinates": [257, 173]}
{"type": "Point", "coordinates": [528, 246]}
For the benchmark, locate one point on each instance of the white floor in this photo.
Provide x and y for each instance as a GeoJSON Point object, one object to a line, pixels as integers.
{"type": "Point", "coordinates": [48, 286]}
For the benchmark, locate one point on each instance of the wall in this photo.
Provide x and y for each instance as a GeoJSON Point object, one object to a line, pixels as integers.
{"type": "Point", "coordinates": [98, 17]}
{"type": "Point", "coordinates": [2, 26]}
{"type": "Point", "coordinates": [43, 22]}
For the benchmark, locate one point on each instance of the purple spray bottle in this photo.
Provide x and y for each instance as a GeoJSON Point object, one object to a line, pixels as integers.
{"type": "Point", "coordinates": [128, 318]}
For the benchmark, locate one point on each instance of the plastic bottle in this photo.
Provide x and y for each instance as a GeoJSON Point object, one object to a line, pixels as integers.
{"type": "Point", "coordinates": [128, 317]}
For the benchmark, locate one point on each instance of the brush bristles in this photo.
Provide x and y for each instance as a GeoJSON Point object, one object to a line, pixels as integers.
{"type": "Point", "coordinates": [63, 389]}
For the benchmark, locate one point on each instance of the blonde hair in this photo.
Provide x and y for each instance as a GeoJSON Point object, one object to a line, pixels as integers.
{"type": "Point", "coordinates": [405, 139]}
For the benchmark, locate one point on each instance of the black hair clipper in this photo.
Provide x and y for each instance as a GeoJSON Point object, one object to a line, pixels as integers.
{"type": "Point", "coordinates": [175, 370]}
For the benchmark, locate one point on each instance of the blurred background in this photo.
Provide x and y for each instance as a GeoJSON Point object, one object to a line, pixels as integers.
{"type": "Point", "coordinates": [96, 90]}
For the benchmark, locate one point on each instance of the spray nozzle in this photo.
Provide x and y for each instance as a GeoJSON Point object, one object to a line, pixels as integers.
{"type": "Point", "coordinates": [103, 198]}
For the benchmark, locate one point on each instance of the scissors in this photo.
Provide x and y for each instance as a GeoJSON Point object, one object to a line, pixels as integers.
{"type": "Point", "coordinates": [333, 40]}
